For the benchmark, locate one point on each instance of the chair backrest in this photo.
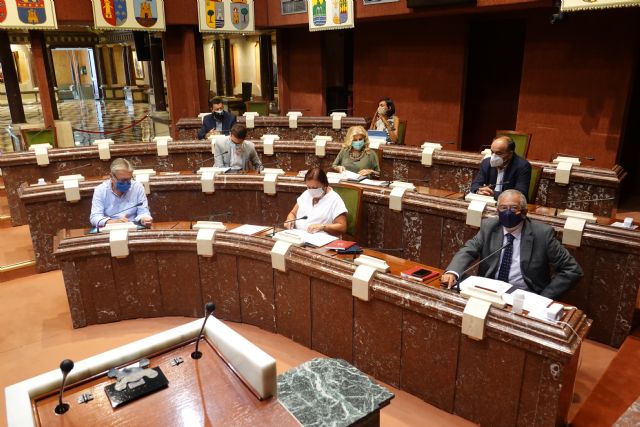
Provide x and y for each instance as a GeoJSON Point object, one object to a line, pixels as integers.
{"type": "Point", "coordinates": [260, 107]}
{"type": "Point", "coordinates": [521, 139]}
{"type": "Point", "coordinates": [37, 135]}
{"type": "Point", "coordinates": [402, 130]}
{"type": "Point", "coordinates": [352, 198]}
{"type": "Point", "coordinates": [536, 173]}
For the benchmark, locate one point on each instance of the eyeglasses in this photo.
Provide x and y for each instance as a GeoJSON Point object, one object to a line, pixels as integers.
{"type": "Point", "coordinates": [514, 209]}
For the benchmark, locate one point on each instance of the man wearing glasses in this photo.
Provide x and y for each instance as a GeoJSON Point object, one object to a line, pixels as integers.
{"type": "Point", "coordinates": [120, 199]}
{"type": "Point", "coordinates": [529, 249]}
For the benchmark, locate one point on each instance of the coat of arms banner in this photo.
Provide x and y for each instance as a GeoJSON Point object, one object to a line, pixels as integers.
{"type": "Point", "coordinates": [28, 15]}
{"type": "Point", "coordinates": [330, 14]}
{"type": "Point", "coordinates": [141, 15]}
{"type": "Point", "coordinates": [226, 16]}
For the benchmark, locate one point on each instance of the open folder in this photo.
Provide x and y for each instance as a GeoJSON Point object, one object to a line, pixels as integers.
{"type": "Point", "coordinates": [315, 239]}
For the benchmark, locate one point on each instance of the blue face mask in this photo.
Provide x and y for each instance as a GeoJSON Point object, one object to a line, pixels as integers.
{"type": "Point", "coordinates": [357, 145]}
{"type": "Point", "coordinates": [509, 219]}
{"type": "Point", "coordinates": [123, 187]}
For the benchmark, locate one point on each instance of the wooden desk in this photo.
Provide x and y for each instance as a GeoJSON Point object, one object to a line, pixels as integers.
{"type": "Point", "coordinates": [407, 335]}
{"type": "Point", "coordinates": [429, 229]}
{"type": "Point", "coordinates": [199, 392]}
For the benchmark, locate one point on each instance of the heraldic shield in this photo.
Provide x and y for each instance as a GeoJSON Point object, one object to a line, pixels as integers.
{"type": "Point", "coordinates": [215, 13]}
{"type": "Point", "coordinates": [3, 10]}
{"type": "Point", "coordinates": [319, 11]}
{"type": "Point", "coordinates": [31, 11]}
{"type": "Point", "coordinates": [240, 16]}
{"type": "Point", "coordinates": [114, 11]}
{"type": "Point", "coordinates": [146, 12]}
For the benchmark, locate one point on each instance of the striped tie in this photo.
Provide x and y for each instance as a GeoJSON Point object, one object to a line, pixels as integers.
{"type": "Point", "coordinates": [505, 265]}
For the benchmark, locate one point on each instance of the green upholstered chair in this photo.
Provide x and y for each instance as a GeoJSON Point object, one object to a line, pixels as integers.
{"type": "Point", "coordinates": [522, 141]}
{"type": "Point", "coordinates": [37, 135]}
{"type": "Point", "coordinates": [402, 130]}
{"type": "Point", "coordinates": [536, 173]}
{"type": "Point", "coordinates": [260, 107]}
{"type": "Point", "coordinates": [352, 197]}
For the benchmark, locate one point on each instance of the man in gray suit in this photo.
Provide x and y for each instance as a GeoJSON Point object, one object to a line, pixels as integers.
{"type": "Point", "coordinates": [236, 153]}
{"type": "Point", "coordinates": [525, 263]}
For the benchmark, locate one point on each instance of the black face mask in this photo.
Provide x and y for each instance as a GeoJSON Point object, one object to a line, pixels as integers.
{"type": "Point", "coordinates": [218, 114]}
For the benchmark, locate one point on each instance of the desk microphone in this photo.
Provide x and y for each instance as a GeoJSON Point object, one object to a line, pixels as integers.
{"type": "Point", "coordinates": [75, 168]}
{"type": "Point", "coordinates": [225, 215]}
{"type": "Point", "coordinates": [417, 180]}
{"type": "Point", "coordinates": [571, 155]}
{"type": "Point", "coordinates": [474, 265]}
{"type": "Point", "coordinates": [201, 162]}
{"type": "Point", "coordinates": [123, 210]}
{"type": "Point", "coordinates": [493, 185]}
{"type": "Point", "coordinates": [565, 202]}
{"type": "Point", "coordinates": [65, 366]}
{"type": "Point", "coordinates": [286, 222]}
{"type": "Point", "coordinates": [208, 309]}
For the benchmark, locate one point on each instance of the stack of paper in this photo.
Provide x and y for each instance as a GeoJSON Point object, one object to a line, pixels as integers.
{"type": "Point", "coordinates": [316, 239]}
{"type": "Point", "coordinates": [249, 230]}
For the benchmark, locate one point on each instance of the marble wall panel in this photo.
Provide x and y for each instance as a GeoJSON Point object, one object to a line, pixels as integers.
{"type": "Point", "coordinates": [257, 293]}
{"type": "Point", "coordinates": [74, 294]}
{"type": "Point", "coordinates": [177, 274]}
{"type": "Point", "coordinates": [332, 325]}
{"type": "Point", "coordinates": [293, 306]}
{"type": "Point", "coordinates": [97, 285]}
{"type": "Point", "coordinates": [219, 284]}
{"type": "Point", "coordinates": [138, 287]}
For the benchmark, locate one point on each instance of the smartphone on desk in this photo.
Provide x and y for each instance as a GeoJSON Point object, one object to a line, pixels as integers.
{"type": "Point", "coordinates": [421, 273]}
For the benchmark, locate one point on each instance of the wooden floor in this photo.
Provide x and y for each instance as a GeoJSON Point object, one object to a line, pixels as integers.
{"type": "Point", "coordinates": [37, 335]}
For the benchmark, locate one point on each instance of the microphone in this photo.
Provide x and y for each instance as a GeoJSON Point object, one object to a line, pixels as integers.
{"type": "Point", "coordinates": [201, 162]}
{"type": "Point", "coordinates": [418, 180]}
{"type": "Point", "coordinates": [225, 215]}
{"type": "Point", "coordinates": [123, 210]}
{"type": "Point", "coordinates": [571, 155]}
{"type": "Point", "coordinates": [493, 185]}
{"type": "Point", "coordinates": [66, 171]}
{"type": "Point", "coordinates": [208, 308]}
{"type": "Point", "coordinates": [475, 264]}
{"type": "Point", "coordinates": [286, 222]}
{"type": "Point", "coordinates": [587, 200]}
{"type": "Point", "coordinates": [65, 366]}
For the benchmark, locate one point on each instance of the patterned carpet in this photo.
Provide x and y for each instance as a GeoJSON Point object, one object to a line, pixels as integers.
{"type": "Point", "coordinates": [86, 115]}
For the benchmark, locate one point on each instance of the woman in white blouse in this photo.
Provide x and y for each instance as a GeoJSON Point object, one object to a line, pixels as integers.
{"type": "Point", "coordinates": [323, 208]}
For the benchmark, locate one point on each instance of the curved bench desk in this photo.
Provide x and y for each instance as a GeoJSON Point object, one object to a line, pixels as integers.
{"type": "Point", "coordinates": [451, 170]}
{"type": "Point", "coordinates": [429, 230]}
{"type": "Point", "coordinates": [407, 335]}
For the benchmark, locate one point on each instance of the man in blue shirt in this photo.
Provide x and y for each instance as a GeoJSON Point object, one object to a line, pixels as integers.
{"type": "Point", "coordinates": [120, 199]}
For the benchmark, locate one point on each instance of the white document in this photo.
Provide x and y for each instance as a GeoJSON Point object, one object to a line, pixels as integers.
{"type": "Point", "coordinates": [497, 286]}
{"type": "Point", "coordinates": [316, 239]}
{"type": "Point", "coordinates": [622, 225]}
{"type": "Point", "coordinates": [535, 304]}
{"type": "Point", "coordinates": [375, 182]}
{"type": "Point", "coordinates": [351, 175]}
{"type": "Point", "coordinates": [249, 230]}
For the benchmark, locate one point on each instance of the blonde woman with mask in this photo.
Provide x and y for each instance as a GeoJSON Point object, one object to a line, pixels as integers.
{"type": "Point", "coordinates": [356, 156]}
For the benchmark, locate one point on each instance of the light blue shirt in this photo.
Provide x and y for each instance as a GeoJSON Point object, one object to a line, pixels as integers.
{"type": "Point", "coordinates": [106, 203]}
{"type": "Point", "coordinates": [515, 273]}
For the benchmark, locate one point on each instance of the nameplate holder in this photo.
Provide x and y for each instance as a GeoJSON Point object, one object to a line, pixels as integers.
{"type": "Point", "coordinates": [428, 148]}
{"type": "Point", "coordinates": [267, 144]}
{"type": "Point", "coordinates": [321, 144]}
{"type": "Point", "coordinates": [375, 142]}
{"type": "Point", "coordinates": [360, 281]}
{"type": "Point", "coordinates": [490, 201]}
{"type": "Point", "coordinates": [270, 183]}
{"type": "Point", "coordinates": [395, 198]}
{"type": "Point", "coordinates": [201, 116]}
{"type": "Point", "coordinates": [119, 238]}
{"type": "Point", "coordinates": [272, 171]}
{"type": "Point", "coordinates": [207, 182]}
{"type": "Point", "coordinates": [288, 237]}
{"type": "Point", "coordinates": [336, 119]}
{"type": "Point", "coordinates": [104, 149]}
{"type": "Point", "coordinates": [210, 169]}
{"type": "Point", "coordinates": [41, 152]}
{"type": "Point", "coordinates": [293, 119]}
{"type": "Point", "coordinates": [563, 168]}
{"type": "Point", "coordinates": [377, 263]}
{"type": "Point", "coordinates": [401, 184]}
{"type": "Point", "coordinates": [142, 176]}
{"type": "Point", "coordinates": [279, 254]}
{"type": "Point", "coordinates": [474, 213]}
{"type": "Point", "coordinates": [162, 145]}
{"type": "Point", "coordinates": [250, 119]}
{"type": "Point", "coordinates": [486, 153]}
{"type": "Point", "coordinates": [572, 231]}
{"type": "Point", "coordinates": [71, 184]}
{"type": "Point", "coordinates": [587, 216]}
{"type": "Point", "coordinates": [474, 317]}
{"type": "Point", "coordinates": [206, 236]}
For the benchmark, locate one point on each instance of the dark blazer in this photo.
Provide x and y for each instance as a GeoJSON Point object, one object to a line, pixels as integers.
{"type": "Point", "coordinates": [209, 122]}
{"type": "Point", "coordinates": [516, 176]}
{"type": "Point", "coordinates": [539, 249]}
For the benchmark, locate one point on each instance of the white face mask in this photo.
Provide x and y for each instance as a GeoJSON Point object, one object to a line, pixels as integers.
{"type": "Point", "coordinates": [496, 161]}
{"type": "Point", "coordinates": [316, 193]}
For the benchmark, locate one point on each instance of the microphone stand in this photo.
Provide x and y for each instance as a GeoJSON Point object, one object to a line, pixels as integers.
{"type": "Point", "coordinates": [208, 308]}
{"type": "Point", "coordinates": [474, 265]}
{"type": "Point", "coordinates": [65, 366]}
{"type": "Point", "coordinates": [286, 222]}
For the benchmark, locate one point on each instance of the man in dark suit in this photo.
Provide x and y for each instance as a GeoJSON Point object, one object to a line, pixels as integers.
{"type": "Point", "coordinates": [219, 122]}
{"type": "Point", "coordinates": [504, 170]}
{"type": "Point", "coordinates": [525, 262]}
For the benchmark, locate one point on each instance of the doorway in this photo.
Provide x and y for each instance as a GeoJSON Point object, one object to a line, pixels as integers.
{"type": "Point", "coordinates": [494, 71]}
{"type": "Point", "coordinates": [76, 76]}
{"type": "Point", "coordinates": [337, 51]}
{"type": "Point", "coordinates": [629, 149]}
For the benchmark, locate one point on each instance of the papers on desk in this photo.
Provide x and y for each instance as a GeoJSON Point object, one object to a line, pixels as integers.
{"type": "Point", "coordinates": [485, 283]}
{"type": "Point", "coordinates": [375, 182]}
{"type": "Point", "coordinates": [535, 304]}
{"type": "Point", "coordinates": [249, 230]}
{"type": "Point", "coordinates": [316, 239]}
{"type": "Point", "coordinates": [621, 224]}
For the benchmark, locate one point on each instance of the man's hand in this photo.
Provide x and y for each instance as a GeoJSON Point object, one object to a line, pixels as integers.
{"type": "Point", "coordinates": [365, 172]}
{"type": "Point", "coordinates": [485, 191]}
{"type": "Point", "coordinates": [212, 132]}
{"type": "Point", "coordinates": [340, 169]}
{"type": "Point", "coordinates": [449, 280]}
{"type": "Point", "coordinates": [117, 220]}
{"type": "Point", "coordinates": [314, 228]}
{"type": "Point", "coordinates": [146, 221]}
